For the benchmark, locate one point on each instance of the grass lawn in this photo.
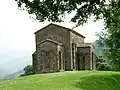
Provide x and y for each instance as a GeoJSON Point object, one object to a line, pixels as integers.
{"type": "Point", "coordinates": [73, 80]}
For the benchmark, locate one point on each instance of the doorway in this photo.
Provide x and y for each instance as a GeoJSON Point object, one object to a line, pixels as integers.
{"type": "Point", "coordinates": [60, 60]}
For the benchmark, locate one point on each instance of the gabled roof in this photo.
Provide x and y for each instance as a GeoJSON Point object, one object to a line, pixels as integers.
{"type": "Point", "coordinates": [50, 40]}
{"type": "Point", "coordinates": [63, 28]}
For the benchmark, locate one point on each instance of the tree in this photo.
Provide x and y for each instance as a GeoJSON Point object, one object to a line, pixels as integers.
{"type": "Point", "coordinates": [28, 70]}
{"type": "Point", "coordinates": [110, 38]}
{"type": "Point", "coordinates": [55, 10]}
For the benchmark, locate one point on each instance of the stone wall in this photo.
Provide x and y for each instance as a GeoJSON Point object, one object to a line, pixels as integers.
{"type": "Point", "coordinates": [84, 57]}
{"type": "Point", "coordinates": [75, 40]}
{"type": "Point", "coordinates": [34, 62]}
{"type": "Point", "coordinates": [71, 47]}
{"type": "Point", "coordinates": [47, 57]}
{"type": "Point", "coordinates": [58, 34]}
{"type": "Point", "coordinates": [94, 60]}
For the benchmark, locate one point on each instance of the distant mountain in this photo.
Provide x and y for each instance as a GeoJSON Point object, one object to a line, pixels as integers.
{"type": "Point", "coordinates": [13, 75]}
{"type": "Point", "coordinates": [3, 72]}
{"type": "Point", "coordinates": [13, 61]}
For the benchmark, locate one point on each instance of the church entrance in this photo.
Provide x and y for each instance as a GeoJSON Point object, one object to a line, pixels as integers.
{"type": "Point", "coordinates": [80, 61]}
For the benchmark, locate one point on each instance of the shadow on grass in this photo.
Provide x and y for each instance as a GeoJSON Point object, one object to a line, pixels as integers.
{"type": "Point", "coordinates": [99, 82]}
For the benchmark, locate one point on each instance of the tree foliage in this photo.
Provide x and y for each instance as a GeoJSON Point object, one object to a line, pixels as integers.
{"type": "Point", "coordinates": [102, 64]}
{"type": "Point", "coordinates": [55, 10]}
{"type": "Point", "coordinates": [110, 38]}
{"type": "Point", "coordinates": [28, 70]}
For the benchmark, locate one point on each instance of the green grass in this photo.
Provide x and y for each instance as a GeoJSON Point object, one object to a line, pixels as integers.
{"type": "Point", "coordinates": [74, 80]}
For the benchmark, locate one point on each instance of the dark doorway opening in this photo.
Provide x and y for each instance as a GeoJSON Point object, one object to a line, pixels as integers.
{"type": "Point", "coordinates": [60, 58]}
{"type": "Point", "coordinates": [78, 60]}
{"type": "Point", "coordinates": [73, 55]}
{"type": "Point", "coordinates": [83, 62]}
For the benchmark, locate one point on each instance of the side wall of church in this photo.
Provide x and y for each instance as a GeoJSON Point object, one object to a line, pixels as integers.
{"type": "Point", "coordinates": [75, 40]}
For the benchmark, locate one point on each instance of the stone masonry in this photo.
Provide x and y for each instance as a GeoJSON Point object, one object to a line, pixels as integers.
{"type": "Point", "coordinates": [61, 49]}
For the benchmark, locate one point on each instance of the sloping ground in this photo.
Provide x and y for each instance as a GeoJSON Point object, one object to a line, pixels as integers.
{"type": "Point", "coordinates": [74, 80]}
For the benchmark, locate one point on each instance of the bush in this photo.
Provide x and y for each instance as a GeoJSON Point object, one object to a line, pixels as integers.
{"type": "Point", "coordinates": [28, 70]}
{"type": "Point", "coordinates": [103, 67]}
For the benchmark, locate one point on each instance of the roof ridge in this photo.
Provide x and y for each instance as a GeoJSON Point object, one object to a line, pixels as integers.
{"type": "Point", "coordinates": [61, 27]}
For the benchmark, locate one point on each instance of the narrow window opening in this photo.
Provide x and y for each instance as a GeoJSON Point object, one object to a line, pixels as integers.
{"type": "Point", "coordinates": [60, 64]}
{"type": "Point", "coordinates": [73, 55]}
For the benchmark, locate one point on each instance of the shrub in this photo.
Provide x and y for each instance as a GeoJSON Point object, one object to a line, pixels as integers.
{"type": "Point", "coordinates": [103, 67]}
{"type": "Point", "coordinates": [28, 70]}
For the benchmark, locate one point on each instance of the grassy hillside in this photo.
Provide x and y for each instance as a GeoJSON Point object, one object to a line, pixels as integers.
{"type": "Point", "coordinates": [82, 80]}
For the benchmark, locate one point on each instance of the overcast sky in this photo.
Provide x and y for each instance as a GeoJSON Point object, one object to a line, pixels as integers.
{"type": "Point", "coordinates": [17, 33]}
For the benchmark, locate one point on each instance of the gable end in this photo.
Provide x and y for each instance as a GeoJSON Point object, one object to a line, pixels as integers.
{"type": "Point", "coordinates": [61, 27]}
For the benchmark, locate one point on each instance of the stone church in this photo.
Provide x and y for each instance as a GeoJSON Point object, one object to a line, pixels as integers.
{"type": "Point", "coordinates": [62, 49]}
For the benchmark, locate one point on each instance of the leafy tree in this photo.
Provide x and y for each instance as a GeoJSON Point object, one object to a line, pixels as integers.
{"type": "Point", "coordinates": [28, 70]}
{"type": "Point", "coordinates": [110, 38]}
{"type": "Point", "coordinates": [55, 10]}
